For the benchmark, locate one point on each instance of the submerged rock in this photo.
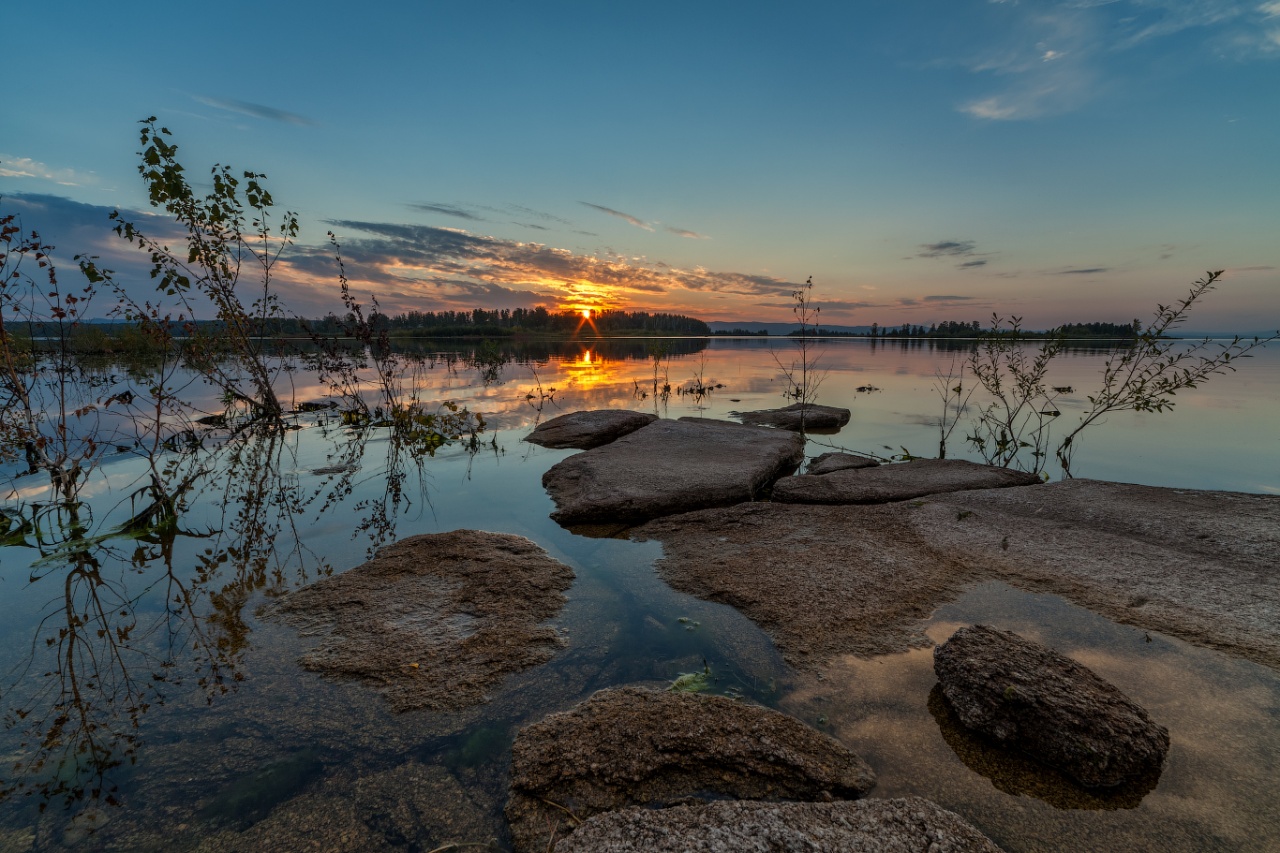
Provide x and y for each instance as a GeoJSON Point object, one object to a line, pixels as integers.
{"type": "Point", "coordinates": [434, 620]}
{"type": "Point", "coordinates": [1030, 698]}
{"type": "Point", "coordinates": [638, 747]}
{"type": "Point", "coordinates": [411, 807]}
{"type": "Point", "coordinates": [907, 825]}
{"type": "Point", "coordinates": [670, 467]}
{"type": "Point", "coordinates": [585, 430]}
{"type": "Point", "coordinates": [897, 482]}
{"type": "Point", "coordinates": [828, 462]}
{"type": "Point", "coordinates": [799, 417]}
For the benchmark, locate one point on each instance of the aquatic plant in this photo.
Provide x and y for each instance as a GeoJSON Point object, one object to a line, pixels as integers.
{"type": "Point", "coordinates": [1143, 374]}
{"type": "Point", "coordinates": [802, 374]}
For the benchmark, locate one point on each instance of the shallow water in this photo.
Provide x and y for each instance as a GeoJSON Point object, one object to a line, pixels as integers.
{"type": "Point", "coordinates": [277, 748]}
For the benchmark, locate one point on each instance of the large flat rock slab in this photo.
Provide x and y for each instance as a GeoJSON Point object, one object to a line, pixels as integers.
{"type": "Point", "coordinates": [433, 621]}
{"type": "Point", "coordinates": [585, 430]}
{"type": "Point", "coordinates": [822, 580]}
{"type": "Point", "coordinates": [638, 747]}
{"type": "Point", "coordinates": [669, 467]}
{"type": "Point", "coordinates": [1199, 565]}
{"type": "Point", "coordinates": [907, 825]}
{"type": "Point", "coordinates": [1027, 697]}
{"type": "Point", "coordinates": [900, 482]}
{"type": "Point", "coordinates": [799, 418]}
{"type": "Point", "coordinates": [830, 580]}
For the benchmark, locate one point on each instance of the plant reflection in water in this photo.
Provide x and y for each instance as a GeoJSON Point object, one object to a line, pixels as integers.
{"type": "Point", "coordinates": [156, 602]}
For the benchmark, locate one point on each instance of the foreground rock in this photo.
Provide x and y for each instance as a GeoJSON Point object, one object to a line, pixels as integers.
{"type": "Point", "coordinates": [434, 621]}
{"type": "Point", "coordinates": [828, 462]}
{"type": "Point", "coordinates": [585, 430]}
{"type": "Point", "coordinates": [1030, 698]}
{"type": "Point", "coordinates": [909, 825]}
{"type": "Point", "coordinates": [637, 747]}
{"type": "Point", "coordinates": [896, 482]}
{"type": "Point", "coordinates": [797, 417]}
{"type": "Point", "coordinates": [823, 580]}
{"type": "Point", "coordinates": [670, 467]}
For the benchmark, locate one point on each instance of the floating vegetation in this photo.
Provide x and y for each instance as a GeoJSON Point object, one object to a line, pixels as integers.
{"type": "Point", "coordinates": [693, 682]}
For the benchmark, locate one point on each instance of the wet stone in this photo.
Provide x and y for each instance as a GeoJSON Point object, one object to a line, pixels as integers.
{"type": "Point", "coordinates": [585, 430]}
{"type": "Point", "coordinates": [670, 467]}
{"type": "Point", "coordinates": [799, 417]}
{"type": "Point", "coordinates": [907, 825]}
{"type": "Point", "coordinates": [899, 482]}
{"type": "Point", "coordinates": [638, 747]}
{"type": "Point", "coordinates": [828, 462]}
{"type": "Point", "coordinates": [1028, 697]}
{"type": "Point", "coordinates": [434, 621]}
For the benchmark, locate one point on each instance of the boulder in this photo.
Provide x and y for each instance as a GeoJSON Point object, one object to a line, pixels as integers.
{"type": "Point", "coordinates": [798, 417]}
{"type": "Point", "coordinates": [585, 430]}
{"type": "Point", "coordinates": [899, 482]}
{"type": "Point", "coordinates": [907, 825]}
{"type": "Point", "coordinates": [670, 467]}
{"type": "Point", "coordinates": [828, 462]}
{"type": "Point", "coordinates": [433, 621]}
{"type": "Point", "coordinates": [1032, 699]}
{"type": "Point", "coordinates": [638, 747]}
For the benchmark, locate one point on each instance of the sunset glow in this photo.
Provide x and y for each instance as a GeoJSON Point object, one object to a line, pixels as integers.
{"type": "Point", "coordinates": [1023, 158]}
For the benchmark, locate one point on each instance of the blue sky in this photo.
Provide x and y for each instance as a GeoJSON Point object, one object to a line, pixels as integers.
{"type": "Point", "coordinates": [1065, 161]}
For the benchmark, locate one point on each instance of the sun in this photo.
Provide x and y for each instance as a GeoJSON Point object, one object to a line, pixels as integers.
{"type": "Point", "coordinates": [586, 313]}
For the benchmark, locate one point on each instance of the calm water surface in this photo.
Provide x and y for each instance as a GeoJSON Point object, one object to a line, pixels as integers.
{"type": "Point", "coordinates": [197, 728]}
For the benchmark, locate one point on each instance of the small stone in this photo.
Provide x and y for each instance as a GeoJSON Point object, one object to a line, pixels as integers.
{"type": "Point", "coordinates": [828, 462]}
{"type": "Point", "coordinates": [799, 418]}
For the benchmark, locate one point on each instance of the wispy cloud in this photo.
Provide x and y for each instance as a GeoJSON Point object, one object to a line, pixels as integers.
{"type": "Point", "coordinates": [1082, 271]}
{"type": "Point", "coordinates": [625, 217]}
{"type": "Point", "coordinates": [692, 235]}
{"type": "Point", "coordinates": [25, 167]}
{"type": "Point", "coordinates": [947, 248]}
{"type": "Point", "coordinates": [980, 262]}
{"type": "Point", "coordinates": [447, 210]}
{"type": "Point", "coordinates": [943, 298]}
{"type": "Point", "coordinates": [1049, 58]}
{"type": "Point", "coordinates": [248, 108]}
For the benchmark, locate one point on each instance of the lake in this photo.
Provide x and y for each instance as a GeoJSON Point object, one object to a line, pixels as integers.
{"type": "Point", "coordinates": [147, 706]}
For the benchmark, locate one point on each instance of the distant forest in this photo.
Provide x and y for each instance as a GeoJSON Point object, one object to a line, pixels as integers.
{"type": "Point", "coordinates": [509, 321]}
{"type": "Point", "coordinates": [953, 329]}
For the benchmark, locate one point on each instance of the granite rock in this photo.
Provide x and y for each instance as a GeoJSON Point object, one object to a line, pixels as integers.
{"type": "Point", "coordinates": [640, 747]}
{"type": "Point", "coordinates": [669, 467]}
{"type": "Point", "coordinates": [1028, 697]}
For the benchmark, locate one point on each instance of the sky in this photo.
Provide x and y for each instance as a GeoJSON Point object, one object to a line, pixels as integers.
{"type": "Point", "coordinates": [1067, 161]}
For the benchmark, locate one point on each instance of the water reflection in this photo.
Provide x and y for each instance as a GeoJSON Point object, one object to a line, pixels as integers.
{"type": "Point", "coordinates": [142, 593]}
{"type": "Point", "coordinates": [1018, 775]}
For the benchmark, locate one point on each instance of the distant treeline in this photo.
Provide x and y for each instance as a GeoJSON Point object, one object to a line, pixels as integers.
{"type": "Point", "coordinates": [93, 336]}
{"type": "Point", "coordinates": [973, 329]}
{"type": "Point", "coordinates": [509, 321]}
